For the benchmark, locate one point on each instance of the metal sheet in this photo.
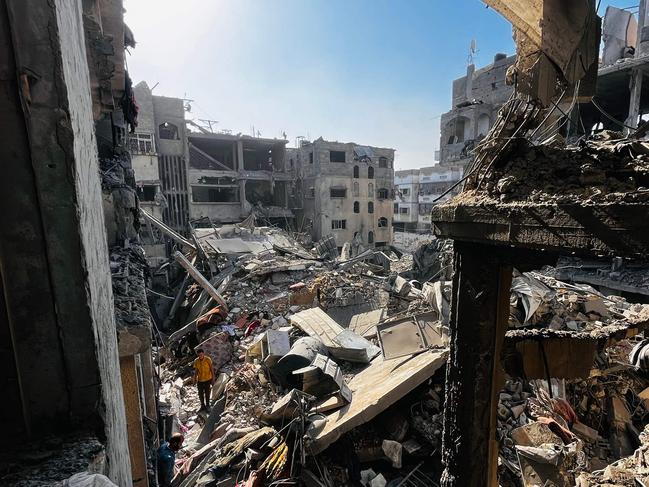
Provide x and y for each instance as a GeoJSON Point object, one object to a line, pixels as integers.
{"type": "Point", "coordinates": [410, 335]}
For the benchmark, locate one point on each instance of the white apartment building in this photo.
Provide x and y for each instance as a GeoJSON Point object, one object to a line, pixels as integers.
{"type": "Point", "coordinates": [416, 191]}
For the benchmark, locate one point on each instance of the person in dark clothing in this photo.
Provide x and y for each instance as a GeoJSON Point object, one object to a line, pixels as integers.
{"type": "Point", "coordinates": [167, 459]}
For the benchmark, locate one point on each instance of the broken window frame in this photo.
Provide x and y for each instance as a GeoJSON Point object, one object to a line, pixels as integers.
{"type": "Point", "coordinates": [355, 189]}
{"type": "Point", "coordinates": [383, 222]}
{"type": "Point", "coordinates": [337, 156]}
{"type": "Point", "coordinates": [396, 208]}
{"type": "Point", "coordinates": [357, 207]}
{"type": "Point", "coordinates": [143, 189]}
{"type": "Point", "coordinates": [337, 193]}
{"type": "Point", "coordinates": [311, 157]}
{"type": "Point", "coordinates": [370, 207]}
{"type": "Point", "coordinates": [141, 143]}
{"type": "Point", "coordinates": [404, 210]}
{"type": "Point", "coordinates": [338, 224]}
{"type": "Point", "coordinates": [168, 131]}
{"type": "Point", "coordinates": [209, 187]}
{"type": "Point", "coordinates": [383, 193]}
{"type": "Point", "coordinates": [383, 162]}
{"type": "Point", "coordinates": [356, 172]}
{"type": "Point", "coordinates": [370, 172]}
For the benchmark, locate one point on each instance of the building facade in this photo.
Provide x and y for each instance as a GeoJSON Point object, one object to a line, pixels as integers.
{"type": "Point", "coordinates": [476, 99]}
{"type": "Point", "coordinates": [231, 176]}
{"type": "Point", "coordinates": [417, 190]}
{"type": "Point", "coordinates": [406, 200]}
{"type": "Point", "coordinates": [346, 191]}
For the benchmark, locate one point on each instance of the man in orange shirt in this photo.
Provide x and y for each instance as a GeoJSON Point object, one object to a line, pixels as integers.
{"type": "Point", "coordinates": [204, 378]}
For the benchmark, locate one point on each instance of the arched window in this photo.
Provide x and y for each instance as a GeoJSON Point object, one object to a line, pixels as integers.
{"type": "Point", "coordinates": [370, 172]}
{"type": "Point", "coordinates": [356, 172]}
{"type": "Point", "coordinates": [370, 237]}
{"type": "Point", "coordinates": [383, 222]}
{"type": "Point", "coordinates": [355, 191]}
{"type": "Point", "coordinates": [370, 190]}
{"type": "Point", "coordinates": [370, 207]}
{"type": "Point", "coordinates": [383, 161]}
{"type": "Point", "coordinates": [382, 193]}
{"type": "Point", "coordinates": [168, 131]}
{"type": "Point", "coordinates": [357, 207]}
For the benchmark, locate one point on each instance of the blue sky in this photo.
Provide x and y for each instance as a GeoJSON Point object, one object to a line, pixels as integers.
{"type": "Point", "coordinates": [375, 72]}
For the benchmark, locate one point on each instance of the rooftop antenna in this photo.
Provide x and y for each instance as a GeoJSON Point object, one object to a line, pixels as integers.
{"type": "Point", "coordinates": [473, 50]}
{"type": "Point", "coordinates": [209, 123]}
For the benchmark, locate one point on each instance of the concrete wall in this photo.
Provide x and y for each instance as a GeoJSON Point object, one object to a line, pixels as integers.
{"type": "Point", "coordinates": [53, 251]}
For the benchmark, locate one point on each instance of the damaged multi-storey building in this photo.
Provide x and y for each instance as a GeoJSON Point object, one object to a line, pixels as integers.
{"type": "Point", "coordinates": [200, 178]}
{"type": "Point", "coordinates": [346, 191]}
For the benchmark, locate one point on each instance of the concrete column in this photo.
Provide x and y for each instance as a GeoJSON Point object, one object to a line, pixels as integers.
{"type": "Point", "coordinates": [136, 448]}
{"type": "Point", "coordinates": [239, 166]}
{"type": "Point", "coordinates": [148, 375]}
{"type": "Point", "coordinates": [474, 377]}
{"type": "Point", "coordinates": [635, 83]}
{"type": "Point", "coordinates": [242, 182]}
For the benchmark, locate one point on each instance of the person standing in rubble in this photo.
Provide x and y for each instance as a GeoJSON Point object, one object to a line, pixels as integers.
{"type": "Point", "coordinates": [204, 378]}
{"type": "Point", "coordinates": [167, 459]}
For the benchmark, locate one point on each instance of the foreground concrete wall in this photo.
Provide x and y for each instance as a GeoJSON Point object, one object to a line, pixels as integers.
{"type": "Point", "coordinates": [55, 263]}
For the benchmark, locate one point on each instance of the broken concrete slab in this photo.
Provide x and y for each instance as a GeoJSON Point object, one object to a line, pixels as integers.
{"type": "Point", "coordinates": [375, 389]}
{"type": "Point", "coordinates": [343, 344]}
{"type": "Point", "coordinates": [364, 324]}
{"type": "Point", "coordinates": [393, 450]}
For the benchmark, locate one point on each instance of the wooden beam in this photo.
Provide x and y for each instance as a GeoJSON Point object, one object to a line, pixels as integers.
{"type": "Point", "coordinates": [200, 279]}
{"type": "Point", "coordinates": [167, 230]}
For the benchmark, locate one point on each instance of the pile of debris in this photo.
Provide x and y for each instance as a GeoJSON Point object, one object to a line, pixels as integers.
{"type": "Point", "coordinates": [300, 339]}
{"type": "Point", "coordinates": [542, 301]}
{"type": "Point", "coordinates": [330, 369]}
{"type": "Point", "coordinates": [605, 168]}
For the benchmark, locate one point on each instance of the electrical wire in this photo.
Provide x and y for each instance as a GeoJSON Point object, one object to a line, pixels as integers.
{"type": "Point", "coordinates": [610, 117]}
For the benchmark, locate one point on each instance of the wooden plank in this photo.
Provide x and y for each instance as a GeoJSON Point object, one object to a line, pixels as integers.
{"type": "Point", "coordinates": [167, 230]}
{"type": "Point", "coordinates": [200, 279]}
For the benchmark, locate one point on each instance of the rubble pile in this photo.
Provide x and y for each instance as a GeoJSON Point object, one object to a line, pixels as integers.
{"type": "Point", "coordinates": [605, 168]}
{"type": "Point", "coordinates": [329, 370]}
{"type": "Point", "coordinates": [616, 272]}
{"type": "Point", "coordinates": [283, 361]}
{"type": "Point", "coordinates": [542, 301]}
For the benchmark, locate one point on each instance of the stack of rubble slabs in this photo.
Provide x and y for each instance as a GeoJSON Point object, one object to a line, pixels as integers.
{"type": "Point", "coordinates": [331, 372]}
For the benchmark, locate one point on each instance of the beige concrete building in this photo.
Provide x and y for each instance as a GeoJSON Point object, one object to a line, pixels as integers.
{"type": "Point", "coordinates": [346, 191]}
